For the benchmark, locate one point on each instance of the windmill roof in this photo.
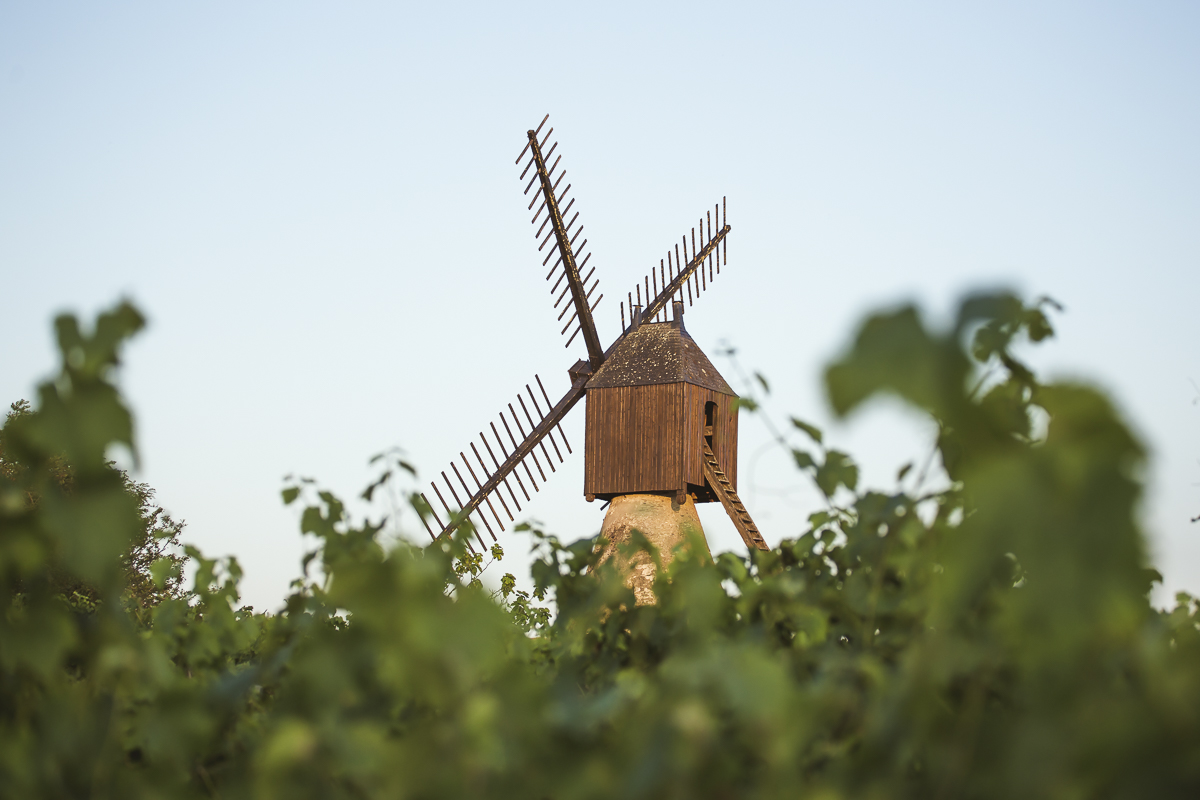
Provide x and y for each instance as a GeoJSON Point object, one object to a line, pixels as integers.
{"type": "Point", "coordinates": [655, 353]}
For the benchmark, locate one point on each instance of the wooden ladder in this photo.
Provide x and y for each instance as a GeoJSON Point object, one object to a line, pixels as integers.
{"type": "Point", "coordinates": [733, 504]}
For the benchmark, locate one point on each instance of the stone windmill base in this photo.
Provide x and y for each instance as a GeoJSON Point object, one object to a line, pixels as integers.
{"type": "Point", "coordinates": [666, 523]}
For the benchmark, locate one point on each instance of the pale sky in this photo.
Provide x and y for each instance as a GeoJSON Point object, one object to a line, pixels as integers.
{"type": "Point", "coordinates": [316, 206]}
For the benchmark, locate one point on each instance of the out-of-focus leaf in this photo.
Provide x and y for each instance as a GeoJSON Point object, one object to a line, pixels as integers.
{"type": "Point", "coordinates": [989, 638]}
{"type": "Point", "coordinates": [747, 403]}
{"type": "Point", "coordinates": [838, 470]}
{"type": "Point", "coordinates": [894, 353]}
{"type": "Point", "coordinates": [803, 459]}
{"type": "Point", "coordinates": [813, 431]}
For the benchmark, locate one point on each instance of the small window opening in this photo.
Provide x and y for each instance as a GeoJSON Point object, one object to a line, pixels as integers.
{"type": "Point", "coordinates": [710, 419]}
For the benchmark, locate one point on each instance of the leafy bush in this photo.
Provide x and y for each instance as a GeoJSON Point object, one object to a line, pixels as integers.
{"type": "Point", "coordinates": [990, 638]}
{"type": "Point", "coordinates": [155, 549]}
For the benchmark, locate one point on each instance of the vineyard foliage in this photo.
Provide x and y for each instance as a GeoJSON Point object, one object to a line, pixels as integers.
{"type": "Point", "coordinates": [990, 636]}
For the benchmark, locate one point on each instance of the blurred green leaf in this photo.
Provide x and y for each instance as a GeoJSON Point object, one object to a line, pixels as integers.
{"type": "Point", "coordinates": [813, 432]}
{"type": "Point", "coordinates": [803, 459]}
{"type": "Point", "coordinates": [838, 470]}
{"type": "Point", "coordinates": [991, 638]}
{"type": "Point", "coordinates": [747, 403]}
{"type": "Point", "coordinates": [894, 353]}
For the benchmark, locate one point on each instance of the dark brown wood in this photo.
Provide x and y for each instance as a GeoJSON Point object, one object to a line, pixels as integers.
{"type": "Point", "coordinates": [526, 147]}
{"type": "Point", "coordinates": [425, 522]}
{"type": "Point", "coordinates": [547, 398]}
{"type": "Point", "coordinates": [681, 278]}
{"type": "Point", "coordinates": [488, 474]}
{"type": "Point", "coordinates": [724, 436]}
{"type": "Point", "coordinates": [660, 418]}
{"type": "Point", "coordinates": [732, 503]}
{"type": "Point", "coordinates": [633, 440]}
{"type": "Point", "coordinates": [586, 324]}
{"type": "Point", "coordinates": [650, 439]}
{"type": "Point", "coordinates": [517, 457]}
{"type": "Point", "coordinates": [646, 416]}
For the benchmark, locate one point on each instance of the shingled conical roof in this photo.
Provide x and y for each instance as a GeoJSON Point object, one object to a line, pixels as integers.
{"type": "Point", "coordinates": [658, 352]}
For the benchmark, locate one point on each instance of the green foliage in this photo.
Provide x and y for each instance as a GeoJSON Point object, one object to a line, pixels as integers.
{"type": "Point", "coordinates": [152, 561]}
{"type": "Point", "coordinates": [990, 638]}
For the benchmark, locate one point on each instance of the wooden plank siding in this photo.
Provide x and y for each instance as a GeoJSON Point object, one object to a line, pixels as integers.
{"type": "Point", "coordinates": [724, 434]}
{"type": "Point", "coordinates": [633, 442]}
{"type": "Point", "coordinates": [650, 438]}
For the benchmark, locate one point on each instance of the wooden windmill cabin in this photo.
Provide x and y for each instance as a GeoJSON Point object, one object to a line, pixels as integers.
{"type": "Point", "coordinates": [651, 409]}
{"type": "Point", "coordinates": [661, 421]}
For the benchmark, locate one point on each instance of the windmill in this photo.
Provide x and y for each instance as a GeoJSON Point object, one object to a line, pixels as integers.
{"type": "Point", "coordinates": [660, 419]}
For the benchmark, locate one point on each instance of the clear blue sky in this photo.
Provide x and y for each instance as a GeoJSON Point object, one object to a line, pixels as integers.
{"type": "Point", "coordinates": [317, 207]}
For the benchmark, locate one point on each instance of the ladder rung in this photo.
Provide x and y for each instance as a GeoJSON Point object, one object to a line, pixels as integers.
{"type": "Point", "coordinates": [733, 503]}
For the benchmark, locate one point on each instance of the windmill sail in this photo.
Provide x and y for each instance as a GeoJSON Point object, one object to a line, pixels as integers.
{"type": "Point", "coordinates": [485, 486]}
{"type": "Point", "coordinates": [517, 454]}
{"type": "Point", "coordinates": [565, 234]}
{"type": "Point", "coordinates": [682, 275]}
{"type": "Point", "coordinates": [526, 448]}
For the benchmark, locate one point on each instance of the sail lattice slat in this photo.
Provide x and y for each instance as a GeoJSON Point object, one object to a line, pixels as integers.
{"type": "Point", "coordinates": [558, 234]}
{"type": "Point", "coordinates": [681, 275]}
{"type": "Point", "coordinates": [517, 453]}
